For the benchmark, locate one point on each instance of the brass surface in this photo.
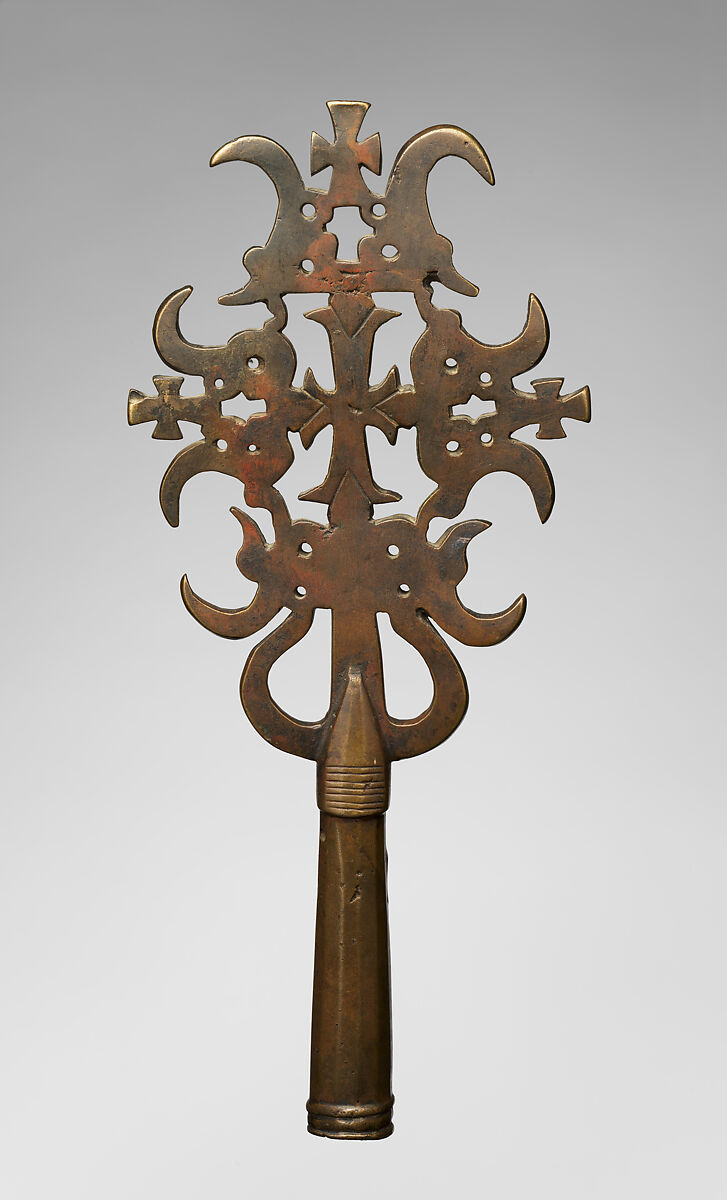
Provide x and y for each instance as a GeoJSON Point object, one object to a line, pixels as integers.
{"type": "Point", "coordinates": [353, 563]}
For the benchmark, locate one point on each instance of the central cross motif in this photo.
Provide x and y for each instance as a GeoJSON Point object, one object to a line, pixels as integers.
{"type": "Point", "coordinates": [353, 405]}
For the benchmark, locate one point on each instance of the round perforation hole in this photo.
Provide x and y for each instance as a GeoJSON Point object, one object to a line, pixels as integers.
{"type": "Point", "coordinates": [308, 210]}
{"type": "Point", "coordinates": [485, 377]}
{"type": "Point", "coordinates": [253, 448]}
{"type": "Point", "coordinates": [393, 551]}
{"type": "Point", "coordinates": [403, 589]}
{"type": "Point", "coordinates": [221, 444]}
{"type": "Point", "coordinates": [450, 364]}
{"type": "Point", "coordinates": [254, 362]}
{"type": "Point", "coordinates": [300, 590]}
{"type": "Point", "coordinates": [390, 251]}
{"type": "Point", "coordinates": [378, 210]}
{"type": "Point", "coordinates": [307, 266]}
{"type": "Point", "coordinates": [305, 548]}
{"type": "Point", "coordinates": [453, 447]}
{"type": "Point", "coordinates": [219, 383]}
{"type": "Point", "coordinates": [485, 438]}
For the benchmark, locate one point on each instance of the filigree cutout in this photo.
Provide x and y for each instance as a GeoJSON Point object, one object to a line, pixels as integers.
{"type": "Point", "coordinates": [354, 564]}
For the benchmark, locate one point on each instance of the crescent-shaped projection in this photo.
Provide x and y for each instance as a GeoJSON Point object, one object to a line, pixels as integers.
{"type": "Point", "coordinates": [230, 622]}
{"type": "Point", "coordinates": [530, 466]}
{"type": "Point", "coordinates": [525, 351]}
{"type": "Point", "coordinates": [271, 157]}
{"type": "Point", "coordinates": [193, 460]}
{"type": "Point", "coordinates": [452, 547]}
{"type": "Point", "coordinates": [422, 255]}
{"type": "Point", "coordinates": [175, 350]}
{"type": "Point", "coordinates": [409, 226]}
{"type": "Point", "coordinates": [480, 629]}
{"type": "Point", "coordinates": [212, 363]}
{"type": "Point", "coordinates": [444, 605]}
{"type": "Point", "coordinates": [292, 231]}
{"type": "Point", "coordinates": [417, 156]}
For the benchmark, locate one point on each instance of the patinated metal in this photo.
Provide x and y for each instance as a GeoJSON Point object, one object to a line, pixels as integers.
{"type": "Point", "coordinates": [355, 564]}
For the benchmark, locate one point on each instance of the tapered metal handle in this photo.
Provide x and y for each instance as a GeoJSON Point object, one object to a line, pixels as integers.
{"type": "Point", "coordinates": [350, 1092]}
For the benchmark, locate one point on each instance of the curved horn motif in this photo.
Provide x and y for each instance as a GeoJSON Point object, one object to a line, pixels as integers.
{"type": "Point", "coordinates": [417, 156]}
{"type": "Point", "coordinates": [230, 622]}
{"type": "Point", "coordinates": [213, 363]}
{"type": "Point", "coordinates": [267, 601]}
{"type": "Point", "coordinates": [529, 465]}
{"type": "Point", "coordinates": [453, 546]}
{"type": "Point", "coordinates": [270, 720]}
{"type": "Point", "coordinates": [172, 347]}
{"type": "Point", "coordinates": [424, 253]}
{"type": "Point", "coordinates": [275, 267]}
{"type": "Point", "coordinates": [223, 368]}
{"type": "Point", "coordinates": [271, 157]}
{"type": "Point", "coordinates": [481, 629]}
{"type": "Point", "coordinates": [193, 460]}
{"type": "Point", "coordinates": [252, 539]}
{"type": "Point", "coordinates": [524, 351]}
{"type": "Point", "coordinates": [471, 628]}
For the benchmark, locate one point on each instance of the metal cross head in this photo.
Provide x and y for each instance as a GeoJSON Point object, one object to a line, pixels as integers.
{"type": "Point", "coordinates": [466, 410]}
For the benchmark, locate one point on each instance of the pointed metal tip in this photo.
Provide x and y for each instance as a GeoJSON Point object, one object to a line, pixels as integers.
{"type": "Point", "coordinates": [355, 739]}
{"type": "Point", "coordinates": [353, 775]}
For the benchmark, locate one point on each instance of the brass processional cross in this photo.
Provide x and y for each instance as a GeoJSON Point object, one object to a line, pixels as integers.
{"type": "Point", "coordinates": [355, 564]}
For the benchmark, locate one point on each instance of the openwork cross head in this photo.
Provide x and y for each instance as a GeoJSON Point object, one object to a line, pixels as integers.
{"type": "Point", "coordinates": [350, 561]}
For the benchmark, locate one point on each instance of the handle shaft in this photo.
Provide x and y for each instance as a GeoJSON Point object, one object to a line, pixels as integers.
{"type": "Point", "coordinates": [350, 1093]}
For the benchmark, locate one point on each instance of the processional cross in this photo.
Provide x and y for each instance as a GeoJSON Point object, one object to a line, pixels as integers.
{"type": "Point", "coordinates": [355, 564]}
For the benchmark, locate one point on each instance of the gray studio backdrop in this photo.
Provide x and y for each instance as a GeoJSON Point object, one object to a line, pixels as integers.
{"type": "Point", "coordinates": [557, 867]}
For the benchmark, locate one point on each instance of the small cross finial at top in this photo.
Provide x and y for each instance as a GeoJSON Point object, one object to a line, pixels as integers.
{"type": "Point", "coordinates": [345, 154]}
